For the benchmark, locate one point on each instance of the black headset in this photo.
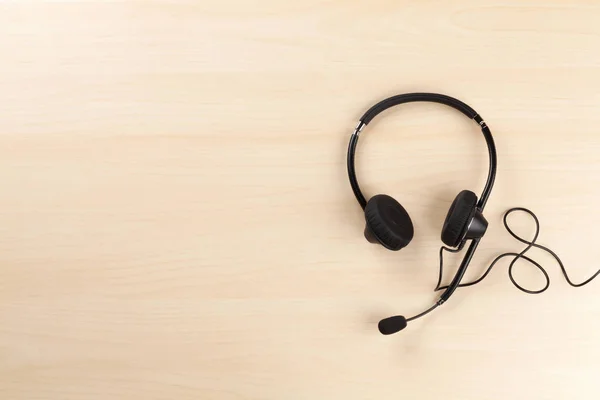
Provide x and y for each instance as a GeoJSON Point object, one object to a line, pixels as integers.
{"type": "Point", "coordinates": [388, 223]}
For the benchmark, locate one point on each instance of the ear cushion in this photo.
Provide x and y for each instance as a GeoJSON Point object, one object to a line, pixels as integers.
{"type": "Point", "coordinates": [389, 222]}
{"type": "Point", "coordinates": [458, 217]}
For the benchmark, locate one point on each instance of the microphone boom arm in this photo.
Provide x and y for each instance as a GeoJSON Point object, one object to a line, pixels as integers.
{"type": "Point", "coordinates": [460, 273]}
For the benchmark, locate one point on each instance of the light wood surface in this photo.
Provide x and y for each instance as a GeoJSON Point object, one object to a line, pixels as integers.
{"type": "Point", "coordinates": [176, 221]}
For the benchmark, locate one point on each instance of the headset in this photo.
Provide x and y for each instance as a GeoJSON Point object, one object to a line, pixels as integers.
{"type": "Point", "coordinates": [389, 224]}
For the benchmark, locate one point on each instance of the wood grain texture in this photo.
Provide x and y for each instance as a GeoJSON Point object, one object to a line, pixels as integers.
{"type": "Point", "coordinates": [176, 221]}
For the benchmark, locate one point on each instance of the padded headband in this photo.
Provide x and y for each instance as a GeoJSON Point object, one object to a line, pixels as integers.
{"type": "Point", "coordinates": [426, 97]}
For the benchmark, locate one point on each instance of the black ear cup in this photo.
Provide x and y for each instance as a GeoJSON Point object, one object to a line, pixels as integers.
{"type": "Point", "coordinates": [457, 221]}
{"type": "Point", "coordinates": [388, 223]}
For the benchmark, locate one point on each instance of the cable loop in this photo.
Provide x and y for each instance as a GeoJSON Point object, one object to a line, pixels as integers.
{"type": "Point", "coordinates": [516, 257]}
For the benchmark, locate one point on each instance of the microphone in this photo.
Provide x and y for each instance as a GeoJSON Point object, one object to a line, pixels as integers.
{"type": "Point", "coordinates": [396, 323]}
{"type": "Point", "coordinates": [392, 325]}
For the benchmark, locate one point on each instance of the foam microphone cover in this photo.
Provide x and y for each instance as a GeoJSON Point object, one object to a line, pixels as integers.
{"type": "Point", "coordinates": [392, 325]}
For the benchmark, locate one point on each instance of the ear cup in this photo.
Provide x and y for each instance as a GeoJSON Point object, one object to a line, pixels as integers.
{"type": "Point", "coordinates": [388, 222]}
{"type": "Point", "coordinates": [457, 221]}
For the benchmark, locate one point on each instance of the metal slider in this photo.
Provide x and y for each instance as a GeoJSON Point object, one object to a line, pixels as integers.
{"type": "Point", "coordinates": [358, 128]}
{"type": "Point", "coordinates": [480, 121]}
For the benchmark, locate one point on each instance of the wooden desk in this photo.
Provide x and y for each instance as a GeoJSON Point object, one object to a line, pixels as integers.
{"type": "Point", "coordinates": [176, 221]}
